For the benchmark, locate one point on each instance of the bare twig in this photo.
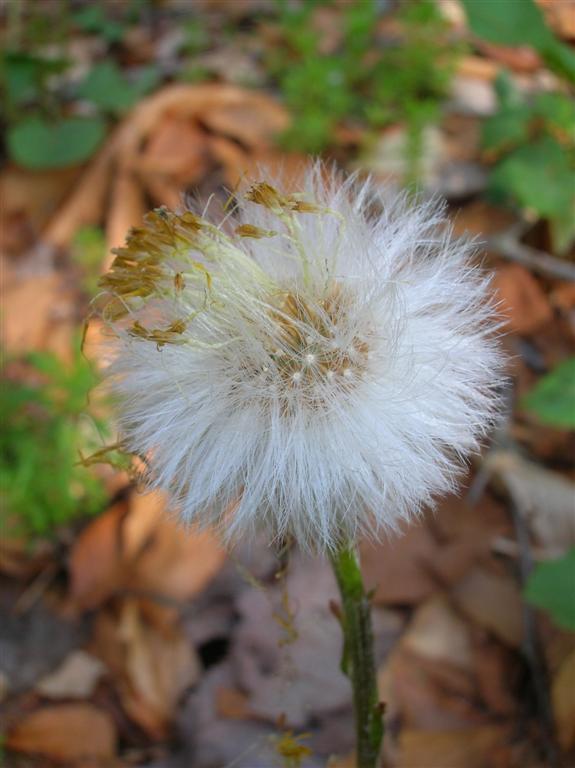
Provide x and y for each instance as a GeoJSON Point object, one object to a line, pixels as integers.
{"type": "Point", "coordinates": [543, 263]}
{"type": "Point", "coordinates": [531, 645]}
{"type": "Point", "coordinates": [36, 589]}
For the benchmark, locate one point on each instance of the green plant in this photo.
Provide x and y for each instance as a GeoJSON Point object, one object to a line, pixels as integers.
{"type": "Point", "coordinates": [520, 22]}
{"type": "Point", "coordinates": [40, 134]}
{"type": "Point", "coordinates": [44, 428]}
{"type": "Point", "coordinates": [43, 132]}
{"type": "Point", "coordinates": [552, 399]}
{"type": "Point", "coordinates": [107, 88]}
{"type": "Point", "coordinates": [363, 81]}
{"type": "Point", "coordinates": [24, 80]}
{"type": "Point", "coordinates": [39, 143]}
{"type": "Point", "coordinates": [551, 586]}
{"type": "Point", "coordinates": [532, 146]}
{"type": "Point", "coordinates": [88, 252]}
{"type": "Point", "coordinates": [531, 142]}
{"type": "Point", "coordinates": [94, 19]}
{"type": "Point", "coordinates": [109, 20]}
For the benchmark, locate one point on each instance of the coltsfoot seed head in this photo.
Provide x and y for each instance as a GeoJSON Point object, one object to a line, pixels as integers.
{"type": "Point", "coordinates": [318, 368]}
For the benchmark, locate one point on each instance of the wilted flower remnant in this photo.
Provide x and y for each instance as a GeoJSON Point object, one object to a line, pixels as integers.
{"type": "Point", "coordinates": [315, 364]}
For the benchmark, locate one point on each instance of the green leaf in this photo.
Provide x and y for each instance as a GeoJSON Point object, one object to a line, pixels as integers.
{"type": "Point", "coordinates": [24, 74]}
{"type": "Point", "coordinates": [552, 399]}
{"type": "Point", "coordinates": [106, 86]}
{"type": "Point", "coordinates": [551, 586]}
{"type": "Point", "coordinates": [519, 22]}
{"type": "Point", "coordinates": [45, 425]}
{"type": "Point", "coordinates": [538, 176]}
{"type": "Point", "coordinates": [563, 231]}
{"type": "Point", "coordinates": [95, 20]}
{"type": "Point", "coordinates": [506, 128]}
{"type": "Point", "coordinates": [507, 22]}
{"type": "Point", "coordinates": [558, 111]}
{"type": "Point", "coordinates": [560, 58]}
{"type": "Point", "coordinates": [39, 144]}
{"type": "Point", "coordinates": [506, 92]}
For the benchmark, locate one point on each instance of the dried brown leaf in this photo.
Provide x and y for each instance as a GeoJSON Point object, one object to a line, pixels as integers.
{"type": "Point", "coordinates": [524, 304]}
{"type": "Point", "coordinates": [493, 602]}
{"type": "Point", "coordinates": [70, 732]}
{"type": "Point", "coordinates": [152, 665]}
{"type": "Point", "coordinates": [37, 314]}
{"type": "Point", "coordinates": [96, 561]}
{"type": "Point", "coordinates": [76, 677]}
{"type": "Point", "coordinates": [563, 699]}
{"type": "Point", "coordinates": [484, 747]}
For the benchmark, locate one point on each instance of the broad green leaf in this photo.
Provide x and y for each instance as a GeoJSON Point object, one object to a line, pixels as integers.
{"type": "Point", "coordinates": [94, 19]}
{"type": "Point", "coordinates": [560, 57]}
{"type": "Point", "coordinates": [519, 22]}
{"type": "Point", "coordinates": [507, 22]}
{"type": "Point", "coordinates": [538, 176]}
{"type": "Point", "coordinates": [563, 231]}
{"type": "Point", "coordinates": [558, 111]}
{"type": "Point", "coordinates": [551, 586]}
{"type": "Point", "coordinates": [106, 86]}
{"type": "Point", "coordinates": [552, 399]}
{"type": "Point", "coordinates": [506, 92]}
{"type": "Point", "coordinates": [24, 76]}
{"type": "Point", "coordinates": [39, 144]}
{"type": "Point", "coordinates": [507, 128]}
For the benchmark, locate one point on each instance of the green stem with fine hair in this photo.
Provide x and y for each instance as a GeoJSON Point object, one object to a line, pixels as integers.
{"type": "Point", "coordinates": [358, 660]}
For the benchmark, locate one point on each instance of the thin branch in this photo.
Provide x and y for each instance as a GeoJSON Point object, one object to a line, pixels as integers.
{"type": "Point", "coordinates": [531, 645]}
{"type": "Point", "coordinates": [539, 261]}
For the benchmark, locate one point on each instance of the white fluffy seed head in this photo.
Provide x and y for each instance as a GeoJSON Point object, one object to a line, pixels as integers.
{"type": "Point", "coordinates": [318, 368]}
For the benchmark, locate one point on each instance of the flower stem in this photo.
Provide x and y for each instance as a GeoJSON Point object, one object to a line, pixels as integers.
{"type": "Point", "coordinates": [358, 660]}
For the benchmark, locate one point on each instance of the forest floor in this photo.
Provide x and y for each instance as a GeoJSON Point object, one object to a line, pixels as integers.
{"type": "Point", "coordinates": [125, 642]}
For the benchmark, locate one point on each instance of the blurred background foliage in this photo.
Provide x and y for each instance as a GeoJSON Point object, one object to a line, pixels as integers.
{"type": "Point", "coordinates": [57, 114]}
{"type": "Point", "coordinates": [370, 84]}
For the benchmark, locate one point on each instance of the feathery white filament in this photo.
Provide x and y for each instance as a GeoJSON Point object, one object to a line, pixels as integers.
{"type": "Point", "coordinates": [321, 372]}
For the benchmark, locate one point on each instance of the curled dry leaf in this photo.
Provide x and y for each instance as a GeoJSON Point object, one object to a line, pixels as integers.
{"type": "Point", "coordinates": [563, 700]}
{"type": "Point", "coordinates": [76, 677]}
{"type": "Point", "coordinates": [177, 149]}
{"type": "Point", "coordinates": [152, 665]}
{"type": "Point", "coordinates": [482, 747]}
{"type": "Point", "coordinates": [494, 602]}
{"type": "Point", "coordinates": [543, 497]}
{"type": "Point", "coordinates": [160, 139]}
{"type": "Point", "coordinates": [37, 314]}
{"type": "Point", "coordinates": [69, 732]}
{"type": "Point", "coordinates": [127, 209]}
{"type": "Point", "coordinates": [523, 302]}
{"type": "Point", "coordinates": [136, 546]}
{"type": "Point", "coordinates": [236, 119]}
{"type": "Point", "coordinates": [202, 101]}
{"type": "Point", "coordinates": [29, 198]}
